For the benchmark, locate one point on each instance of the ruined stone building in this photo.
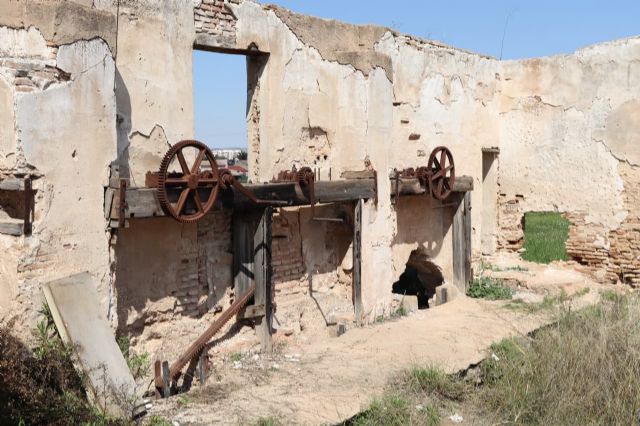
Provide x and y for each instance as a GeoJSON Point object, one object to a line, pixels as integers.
{"type": "Point", "coordinates": [92, 91]}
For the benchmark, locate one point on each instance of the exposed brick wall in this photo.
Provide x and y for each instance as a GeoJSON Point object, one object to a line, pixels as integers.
{"type": "Point", "coordinates": [625, 241]}
{"type": "Point", "coordinates": [587, 243]}
{"type": "Point", "coordinates": [510, 232]}
{"type": "Point", "coordinates": [288, 263]}
{"type": "Point", "coordinates": [205, 268]}
{"type": "Point", "coordinates": [215, 256]}
{"type": "Point", "coordinates": [216, 22]}
{"type": "Point", "coordinates": [612, 255]}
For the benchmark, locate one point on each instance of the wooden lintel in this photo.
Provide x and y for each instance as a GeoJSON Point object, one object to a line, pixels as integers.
{"type": "Point", "coordinates": [143, 202]}
{"type": "Point", "coordinates": [12, 184]}
{"type": "Point", "coordinates": [491, 150]}
{"type": "Point", "coordinates": [358, 174]}
{"type": "Point", "coordinates": [412, 186]}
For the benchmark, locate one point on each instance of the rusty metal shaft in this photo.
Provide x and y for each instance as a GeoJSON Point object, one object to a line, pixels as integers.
{"type": "Point", "coordinates": [199, 344]}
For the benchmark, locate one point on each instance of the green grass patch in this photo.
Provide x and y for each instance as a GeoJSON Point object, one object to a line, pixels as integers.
{"type": "Point", "coordinates": [435, 382]}
{"type": "Point", "coordinates": [395, 409]}
{"type": "Point", "coordinates": [545, 235]}
{"type": "Point", "coordinates": [489, 288]}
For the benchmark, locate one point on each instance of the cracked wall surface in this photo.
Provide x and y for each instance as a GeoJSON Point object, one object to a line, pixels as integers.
{"type": "Point", "coordinates": [569, 143]}
{"type": "Point", "coordinates": [58, 110]}
{"type": "Point", "coordinates": [87, 83]}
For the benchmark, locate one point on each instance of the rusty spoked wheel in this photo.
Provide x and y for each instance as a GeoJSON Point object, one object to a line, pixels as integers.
{"type": "Point", "coordinates": [441, 172]}
{"type": "Point", "coordinates": [188, 181]}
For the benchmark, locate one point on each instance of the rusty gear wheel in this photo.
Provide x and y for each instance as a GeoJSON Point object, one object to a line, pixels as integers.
{"type": "Point", "coordinates": [441, 172]}
{"type": "Point", "coordinates": [185, 192]}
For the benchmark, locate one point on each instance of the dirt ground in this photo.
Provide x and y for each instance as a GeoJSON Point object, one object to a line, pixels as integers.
{"type": "Point", "coordinates": [328, 380]}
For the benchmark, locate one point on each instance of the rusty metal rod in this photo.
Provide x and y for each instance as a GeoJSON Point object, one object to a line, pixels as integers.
{"type": "Point", "coordinates": [199, 344]}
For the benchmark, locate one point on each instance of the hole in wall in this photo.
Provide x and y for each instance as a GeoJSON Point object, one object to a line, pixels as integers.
{"type": "Point", "coordinates": [420, 278]}
{"type": "Point", "coordinates": [545, 236]}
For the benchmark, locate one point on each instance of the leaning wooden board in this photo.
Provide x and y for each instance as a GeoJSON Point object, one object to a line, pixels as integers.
{"type": "Point", "coordinates": [81, 322]}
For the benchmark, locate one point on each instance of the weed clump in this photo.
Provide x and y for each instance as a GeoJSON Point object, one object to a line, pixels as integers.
{"type": "Point", "coordinates": [396, 410]}
{"type": "Point", "coordinates": [489, 288]}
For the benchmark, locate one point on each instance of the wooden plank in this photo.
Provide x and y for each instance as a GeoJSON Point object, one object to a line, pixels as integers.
{"type": "Point", "coordinates": [468, 272]}
{"type": "Point", "coordinates": [243, 252]}
{"type": "Point", "coordinates": [143, 202]}
{"type": "Point", "coordinates": [359, 174]}
{"type": "Point", "coordinates": [357, 261]}
{"type": "Point", "coordinates": [491, 150]}
{"type": "Point", "coordinates": [78, 315]}
{"type": "Point", "coordinates": [412, 186]}
{"type": "Point", "coordinates": [14, 227]}
{"type": "Point", "coordinates": [462, 273]}
{"type": "Point", "coordinates": [12, 184]}
{"type": "Point", "coordinates": [262, 273]}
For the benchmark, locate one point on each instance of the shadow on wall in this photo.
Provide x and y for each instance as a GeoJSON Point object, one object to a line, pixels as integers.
{"type": "Point", "coordinates": [419, 220]}
{"type": "Point", "coordinates": [326, 244]}
{"type": "Point", "coordinates": [123, 123]}
{"type": "Point", "coordinates": [165, 268]}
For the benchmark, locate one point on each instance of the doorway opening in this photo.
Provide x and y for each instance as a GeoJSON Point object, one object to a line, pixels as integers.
{"type": "Point", "coordinates": [489, 200]}
{"type": "Point", "coordinates": [420, 278]}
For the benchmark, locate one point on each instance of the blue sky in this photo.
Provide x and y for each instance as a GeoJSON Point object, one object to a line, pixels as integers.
{"type": "Point", "coordinates": [533, 28]}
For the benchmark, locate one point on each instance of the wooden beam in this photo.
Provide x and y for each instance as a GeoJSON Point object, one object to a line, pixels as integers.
{"type": "Point", "coordinates": [143, 202]}
{"type": "Point", "coordinates": [356, 291]}
{"type": "Point", "coordinates": [412, 186]}
{"type": "Point", "coordinates": [262, 273]}
{"type": "Point", "coordinates": [12, 184]}
{"type": "Point", "coordinates": [462, 274]}
{"type": "Point", "coordinates": [358, 174]}
{"type": "Point", "coordinates": [13, 227]}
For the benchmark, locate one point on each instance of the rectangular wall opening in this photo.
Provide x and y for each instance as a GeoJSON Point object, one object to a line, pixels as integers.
{"type": "Point", "coordinates": [221, 108]}
{"type": "Point", "coordinates": [489, 200]}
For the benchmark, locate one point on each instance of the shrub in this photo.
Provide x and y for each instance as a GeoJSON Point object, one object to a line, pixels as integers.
{"type": "Point", "coordinates": [42, 386]}
{"type": "Point", "coordinates": [139, 365]}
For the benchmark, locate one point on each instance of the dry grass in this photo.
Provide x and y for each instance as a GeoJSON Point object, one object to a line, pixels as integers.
{"type": "Point", "coordinates": [583, 369]}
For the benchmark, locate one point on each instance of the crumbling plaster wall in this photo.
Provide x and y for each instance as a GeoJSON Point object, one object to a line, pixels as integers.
{"type": "Point", "coordinates": [57, 108]}
{"type": "Point", "coordinates": [569, 129]}
{"type": "Point", "coordinates": [339, 96]}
